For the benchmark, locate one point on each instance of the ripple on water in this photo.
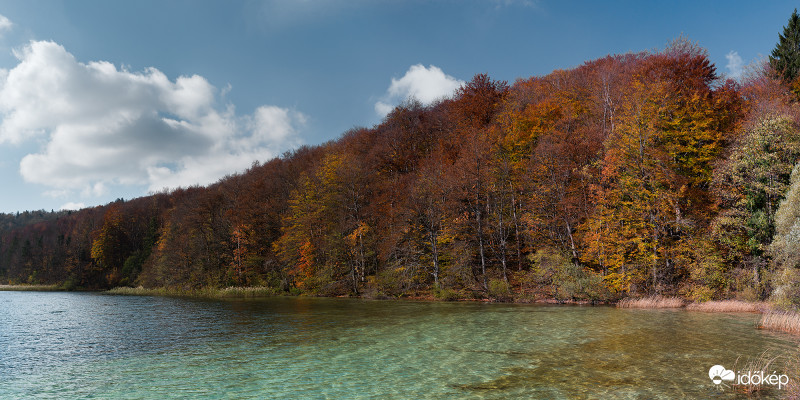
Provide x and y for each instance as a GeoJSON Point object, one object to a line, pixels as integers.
{"type": "Point", "coordinates": [57, 345]}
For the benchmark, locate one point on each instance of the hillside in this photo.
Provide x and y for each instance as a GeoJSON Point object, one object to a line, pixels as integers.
{"type": "Point", "coordinates": [630, 174]}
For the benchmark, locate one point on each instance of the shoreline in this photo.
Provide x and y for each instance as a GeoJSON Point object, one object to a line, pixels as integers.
{"type": "Point", "coordinates": [771, 318]}
{"type": "Point", "coordinates": [32, 288]}
{"type": "Point", "coordinates": [253, 292]}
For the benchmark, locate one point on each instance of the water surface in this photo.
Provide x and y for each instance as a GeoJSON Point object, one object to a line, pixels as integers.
{"type": "Point", "coordinates": [81, 345]}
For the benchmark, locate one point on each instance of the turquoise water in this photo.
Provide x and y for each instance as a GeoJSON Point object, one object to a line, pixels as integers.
{"type": "Point", "coordinates": [79, 345]}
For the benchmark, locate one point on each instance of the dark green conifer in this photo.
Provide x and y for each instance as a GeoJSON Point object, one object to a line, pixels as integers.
{"type": "Point", "coordinates": [785, 58]}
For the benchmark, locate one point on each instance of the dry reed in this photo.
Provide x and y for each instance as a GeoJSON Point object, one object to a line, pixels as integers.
{"type": "Point", "coordinates": [729, 306]}
{"type": "Point", "coordinates": [651, 302]}
{"type": "Point", "coordinates": [30, 288]}
{"type": "Point", "coordinates": [761, 365]}
{"type": "Point", "coordinates": [793, 371]}
{"type": "Point", "coordinates": [785, 321]}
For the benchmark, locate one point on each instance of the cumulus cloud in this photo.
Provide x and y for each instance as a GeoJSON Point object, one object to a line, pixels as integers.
{"type": "Point", "coordinates": [735, 65]}
{"type": "Point", "coordinates": [424, 84]}
{"type": "Point", "coordinates": [102, 126]}
{"type": "Point", "coordinates": [72, 206]}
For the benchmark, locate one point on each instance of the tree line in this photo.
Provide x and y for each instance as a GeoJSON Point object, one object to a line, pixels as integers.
{"type": "Point", "coordinates": [642, 173]}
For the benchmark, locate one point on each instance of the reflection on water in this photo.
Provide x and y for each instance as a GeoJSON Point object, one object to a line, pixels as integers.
{"type": "Point", "coordinates": [73, 345]}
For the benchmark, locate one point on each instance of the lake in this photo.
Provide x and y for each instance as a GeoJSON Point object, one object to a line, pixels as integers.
{"type": "Point", "coordinates": [88, 345]}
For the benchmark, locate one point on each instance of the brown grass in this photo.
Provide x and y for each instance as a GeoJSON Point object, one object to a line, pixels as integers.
{"type": "Point", "coordinates": [729, 306]}
{"type": "Point", "coordinates": [784, 321]}
{"type": "Point", "coordinates": [651, 302]}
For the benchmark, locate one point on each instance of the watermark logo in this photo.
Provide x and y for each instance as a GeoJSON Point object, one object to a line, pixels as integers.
{"type": "Point", "coordinates": [719, 374]}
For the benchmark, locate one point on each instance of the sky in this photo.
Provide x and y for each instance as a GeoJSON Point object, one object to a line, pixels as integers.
{"type": "Point", "coordinates": [101, 100]}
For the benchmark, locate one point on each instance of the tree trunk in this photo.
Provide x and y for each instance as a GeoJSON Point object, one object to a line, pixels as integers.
{"type": "Point", "coordinates": [516, 231]}
{"type": "Point", "coordinates": [480, 246]}
{"type": "Point", "coordinates": [435, 254]}
{"type": "Point", "coordinates": [571, 240]}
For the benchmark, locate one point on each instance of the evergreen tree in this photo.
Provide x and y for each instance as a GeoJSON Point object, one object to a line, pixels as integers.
{"type": "Point", "coordinates": [785, 58]}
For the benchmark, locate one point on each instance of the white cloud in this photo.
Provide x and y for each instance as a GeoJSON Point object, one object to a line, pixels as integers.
{"type": "Point", "coordinates": [5, 25]}
{"type": "Point", "coordinates": [103, 126]}
{"type": "Point", "coordinates": [735, 65]}
{"type": "Point", "coordinates": [72, 206]}
{"type": "Point", "coordinates": [424, 84]}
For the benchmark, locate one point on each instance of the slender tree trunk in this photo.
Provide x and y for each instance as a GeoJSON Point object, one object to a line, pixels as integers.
{"type": "Point", "coordinates": [571, 239]}
{"type": "Point", "coordinates": [516, 230]}
{"type": "Point", "coordinates": [353, 276]}
{"type": "Point", "coordinates": [501, 230]}
{"type": "Point", "coordinates": [239, 255]}
{"type": "Point", "coordinates": [655, 255]}
{"type": "Point", "coordinates": [480, 246]}
{"type": "Point", "coordinates": [479, 221]}
{"type": "Point", "coordinates": [362, 272]}
{"type": "Point", "coordinates": [503, 261]}
{"type": "Point", "coordinates": [435, 252]}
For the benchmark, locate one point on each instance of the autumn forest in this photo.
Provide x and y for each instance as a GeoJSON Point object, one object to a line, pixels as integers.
{"type": "Point", "coordinates": [634, 174]}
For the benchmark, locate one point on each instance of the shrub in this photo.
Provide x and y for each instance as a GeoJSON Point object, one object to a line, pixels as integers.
{"type": "Point", "coordinates": [593, 287]}
{"type": "Point", "coordinates": [70, 284]}
{"type": "Point", "coordinates": [566, 280]}
{"type": "Point", "coordinates": [700, 293]}
{"type": "Point", "coordinates": [388, 282]}
{"type": "Point", "coordinates": [748, 293]}
{"type": "Point", "coordinates": [499, 290]}
{"type": "Point", "coordinates": [445, 294]}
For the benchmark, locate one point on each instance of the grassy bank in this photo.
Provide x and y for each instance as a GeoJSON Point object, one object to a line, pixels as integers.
{"type": "Point", "coordinates": [228, 292]}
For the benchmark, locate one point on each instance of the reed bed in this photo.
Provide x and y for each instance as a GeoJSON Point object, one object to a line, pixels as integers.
{"type": "Point", "coordinates": [784, 321]}
{"type": "Point", "coordinates": [246, 292]}
{"type": "Point", "coordinates": [228, 292]}
{"type": "Point", "coordinates": [729, 306]}
{"type": "Point", "coordinates": [30, 288]}
{"type": "Point", "coordinates": [651, 302]}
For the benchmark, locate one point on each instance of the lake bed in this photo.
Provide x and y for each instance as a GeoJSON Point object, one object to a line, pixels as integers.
{"type": "Point", "coordinates": [79, 345]}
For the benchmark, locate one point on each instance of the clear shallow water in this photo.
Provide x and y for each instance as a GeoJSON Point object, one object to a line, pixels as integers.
{"type": "Point", "coordinates": [78, 345]}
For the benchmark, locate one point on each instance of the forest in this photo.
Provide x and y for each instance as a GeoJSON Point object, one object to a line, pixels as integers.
{"type": "Point", "coordinates": [633, 174]}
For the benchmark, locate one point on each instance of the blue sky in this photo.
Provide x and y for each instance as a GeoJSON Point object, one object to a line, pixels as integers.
{"type": "Point", "coordinates": [107, 99]}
